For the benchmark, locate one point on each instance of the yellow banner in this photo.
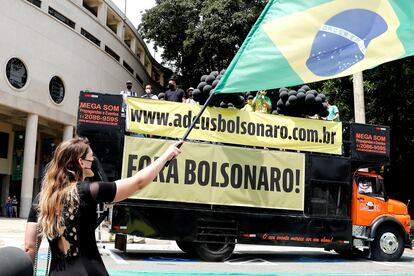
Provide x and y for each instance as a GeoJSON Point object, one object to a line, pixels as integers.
{"type": "Point", "coordinates": [222, 175]}
{"type": "Point", "coordinates": [232, 126]}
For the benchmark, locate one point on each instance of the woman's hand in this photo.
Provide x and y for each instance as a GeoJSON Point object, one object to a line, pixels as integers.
{"type": "Point", "coordinates": [173, 150]}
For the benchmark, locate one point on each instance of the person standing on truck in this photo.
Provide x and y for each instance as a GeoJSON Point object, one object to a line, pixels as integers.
{"type": "Point", "coordinates": [248, 105]}
{"type": "Point", "coordinates": [188, 97]}
{"type": "Point", "coordinates": [148, 93]}
{"type": "Point", "coordinates": [67, 206]}
{"type": "Point", "coordinates": [261, 103]}
{"type": "Point", "coordinates": [333, 111]}
{"type": "Point", "coordinates": [174, 94]}
{"type": "Point", "coordinates": [128, 92]}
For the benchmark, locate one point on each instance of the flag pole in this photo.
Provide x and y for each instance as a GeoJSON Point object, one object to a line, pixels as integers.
{"type": "Point", "coordinates": [198, 116]}
{"type": "Point", "coordinates": [194, 122]}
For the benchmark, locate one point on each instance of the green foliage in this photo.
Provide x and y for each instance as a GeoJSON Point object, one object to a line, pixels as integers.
{"type": "Point", "coordinates": [199, 36]}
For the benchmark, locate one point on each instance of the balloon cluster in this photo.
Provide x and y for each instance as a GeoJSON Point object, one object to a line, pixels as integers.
{"type": "Point", "coordinates": [302, 102]}
{"type": "Point", "coordinates": [206, 87]}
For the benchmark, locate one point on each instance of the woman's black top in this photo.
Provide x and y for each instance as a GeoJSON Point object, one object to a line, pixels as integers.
{"type": "Point", "coordinates": [82, 256]}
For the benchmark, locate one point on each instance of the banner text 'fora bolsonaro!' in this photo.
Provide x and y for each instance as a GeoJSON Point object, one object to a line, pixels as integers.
{"type": "Point", "coordinates": [231, 126]}
{"type": "Point", "coordinates": [223, 175]}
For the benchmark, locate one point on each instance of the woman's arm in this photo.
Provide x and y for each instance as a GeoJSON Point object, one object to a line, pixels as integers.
{"type": "Point", "coordinates": [128, 186]}
{"type": "Point", "coordinates": [30, 240]}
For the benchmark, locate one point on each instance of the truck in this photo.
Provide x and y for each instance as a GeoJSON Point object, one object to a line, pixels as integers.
{"type": "Point", "coordinates": [216, 194]}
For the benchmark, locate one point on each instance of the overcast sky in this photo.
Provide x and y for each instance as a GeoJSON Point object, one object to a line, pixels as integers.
{"type": "Point", "coordinates": [134, 8]}
{"type": "Point", "coordinates": [134, 11]}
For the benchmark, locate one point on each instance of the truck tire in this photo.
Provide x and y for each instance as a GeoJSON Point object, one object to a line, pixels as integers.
{"type": "Point", "coordinates": [214, 252]}
{"type": "Point", "coordinates": [187, 247]}
{"type": "Point", "coordinates": [388, 244]}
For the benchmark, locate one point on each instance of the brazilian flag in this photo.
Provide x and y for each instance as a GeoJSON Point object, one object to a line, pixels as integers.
{"type": "Point", "coordinates": [298, 41]}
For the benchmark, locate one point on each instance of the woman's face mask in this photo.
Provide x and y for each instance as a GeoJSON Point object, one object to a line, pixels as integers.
{"type": "Point", "coordinates": [148, 90]}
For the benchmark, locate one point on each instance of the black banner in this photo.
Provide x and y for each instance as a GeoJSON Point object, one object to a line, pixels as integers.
{"type": "Point", "coordinates": [99, 119]}
{"type": "Point", "coordinates": [100, 110]}
{"type": "Point", "coordinates": [370, 143]}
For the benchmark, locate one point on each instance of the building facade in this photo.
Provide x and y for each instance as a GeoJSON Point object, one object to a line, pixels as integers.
{"type": "Point", "coordinates": [49, 51]}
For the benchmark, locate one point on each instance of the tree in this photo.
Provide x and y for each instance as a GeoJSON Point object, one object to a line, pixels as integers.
{"type": "Point", "coordinates": [199, 36]}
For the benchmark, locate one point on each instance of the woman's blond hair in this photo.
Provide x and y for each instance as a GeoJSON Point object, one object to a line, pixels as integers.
{"type": "Point", "coordinates": [59, 185]}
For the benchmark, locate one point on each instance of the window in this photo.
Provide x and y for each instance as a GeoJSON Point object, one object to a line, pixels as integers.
{"type": "Point", "coordinates": [4, 142]}
{"type": "Point", "coordinates": [56, 89]}
{"type": "Point", "coordinates": [89, 36]}
{"type": "Point", "coordinates": [129, 68]}
{"type": "Point", "coordinates": [370, 186]}
{"type": "Point", "coordinates": [112, 53]}
{"type": "Point", "coordinates": [37, 3]}
{"type": "Point", "coordinates": [61, 17]}
{"type": "Point", "coordinates": [328, 199]}
{"type": "Point", "coordinates": [112, 20]}
{"type": "Point", "coordinates": [91, 8]}
{"type": "Point", "coordinates": [16, 73]}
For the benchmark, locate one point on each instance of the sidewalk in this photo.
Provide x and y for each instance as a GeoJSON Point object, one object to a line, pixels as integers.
{"type": "Point", "coordinates": [12, 234]}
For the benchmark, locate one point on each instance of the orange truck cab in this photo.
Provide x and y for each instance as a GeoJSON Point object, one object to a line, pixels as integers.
{"type": "Point", "coordinates": [378, 223]}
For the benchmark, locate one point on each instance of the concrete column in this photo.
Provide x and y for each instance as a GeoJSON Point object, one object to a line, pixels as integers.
{"type": "Point", "coordinates": [120, 29]}
{"type": "Point", "coordinates": [134, 42]}
{"type": "Point", "coordinates": [28, 164]}
{"type": "Point", "coordinates": [359, 104]}
{"type": "Point", "coordinates": [67, 132]}
{"type": "Point", "coordinates": [102, 13]}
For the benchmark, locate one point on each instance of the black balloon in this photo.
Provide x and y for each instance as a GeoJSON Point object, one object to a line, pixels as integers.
{"type": "Point", "coordinates": [310, 98]}
{"type": "Point", "coordinates": [203, 77]}
{"type": "Point", "coordinates": [201, 85]}
{"type": "Point", "coordinates": [207, 88]}
{"type": "Point", "coordinates": [219, 77]}
{"type": "Point", "coordinates": [215, 82]}
{"type": "Point", "coordinates": [315, 93]}
{"type": "Point", "coordinates": [196, 95]}
{"type": "Point", "coordinates": [284, 95]}
{"type": "Point", "coordinates": [210, 79]}
{"type": "Point", "coordinates": [300, 96]}
{"type": "Point", "coordinates": [305, 87]}
{"type": "Point", "coordinates": [318, 101]}
{"type": "Point", "coordinates": [292, 93]}
{"type": "Point", "coordinates": [280, 103]}
{"type": "Point", "coordinates": [322, 96]}
{"type": "Point", "coordinates": [215, 73]}
{"type": "Point", "coordinates": [292, 100]}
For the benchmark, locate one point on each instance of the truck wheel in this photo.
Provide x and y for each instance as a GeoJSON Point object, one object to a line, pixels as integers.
{"type": "Point", "coordinates": [388, 244]}
{"type": "Point", "coordinates": [215, 252]}
{"type": "Point", "coordinates": [187, 247]}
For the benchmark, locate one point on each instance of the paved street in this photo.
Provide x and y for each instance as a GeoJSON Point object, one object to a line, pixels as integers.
{"type": "Point", "coordinates": [164, 258]}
